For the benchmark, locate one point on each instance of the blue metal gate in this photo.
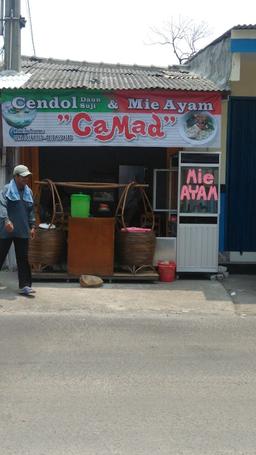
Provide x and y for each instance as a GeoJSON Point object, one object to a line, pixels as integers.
{"type": "Point", "coordinates": [241, 175]}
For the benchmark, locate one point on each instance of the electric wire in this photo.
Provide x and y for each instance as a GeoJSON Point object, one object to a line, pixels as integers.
{"type": "Point", "coordinates": [31, 28]}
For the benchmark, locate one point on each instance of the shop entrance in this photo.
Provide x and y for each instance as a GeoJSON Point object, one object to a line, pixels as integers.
{"type": "Point", "coordinates": [187, 223]}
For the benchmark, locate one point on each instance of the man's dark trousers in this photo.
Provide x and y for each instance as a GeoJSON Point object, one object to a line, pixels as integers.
{"type": "Point", "coordinates": [21, 252]}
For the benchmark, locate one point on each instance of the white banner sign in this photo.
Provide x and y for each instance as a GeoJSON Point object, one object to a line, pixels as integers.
{"type": "Point", "coordinates": [123, 119]}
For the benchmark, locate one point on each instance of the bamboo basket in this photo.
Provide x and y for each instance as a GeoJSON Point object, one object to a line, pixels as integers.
{"type": "Point", "coordinates": [135, 250]}
{"type": "Point", "coordinates": [47, 248]}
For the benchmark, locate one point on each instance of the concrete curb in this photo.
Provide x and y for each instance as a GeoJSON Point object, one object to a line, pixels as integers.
{"type": "Point", "coordinates": [181, 296]}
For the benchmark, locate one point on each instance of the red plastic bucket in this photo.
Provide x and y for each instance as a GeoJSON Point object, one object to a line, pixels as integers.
{"type": "Point", "coordinates": [166, 271]}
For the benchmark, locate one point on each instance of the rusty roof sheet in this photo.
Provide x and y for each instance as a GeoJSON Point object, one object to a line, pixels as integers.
{"type": "Point", "coordinates": [66, 74]}
{"type": "Point", "coordinates": [12, 79]}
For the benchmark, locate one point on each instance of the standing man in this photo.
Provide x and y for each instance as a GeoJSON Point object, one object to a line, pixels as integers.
{"type": "Point", "coordinates": [17, 224]}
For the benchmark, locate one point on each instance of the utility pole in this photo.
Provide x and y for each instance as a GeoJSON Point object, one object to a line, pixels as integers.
{"type": "Point", "coordinates": [12, 24]}
{"type": "Point", "coordinates": [12, 39]}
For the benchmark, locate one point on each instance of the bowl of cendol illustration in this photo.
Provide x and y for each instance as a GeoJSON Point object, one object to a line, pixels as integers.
{"type": "Point", "coordinates": [18, 118]}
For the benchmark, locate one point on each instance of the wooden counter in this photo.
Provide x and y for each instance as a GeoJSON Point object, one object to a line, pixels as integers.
{"type": "Point", "coordinates": [91, 246]}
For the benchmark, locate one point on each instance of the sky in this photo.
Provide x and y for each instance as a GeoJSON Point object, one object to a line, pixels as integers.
{"type": "Point", "coordinates": [115, 31]}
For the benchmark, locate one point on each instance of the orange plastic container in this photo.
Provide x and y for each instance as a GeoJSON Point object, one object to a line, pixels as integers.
{"type": "Point", "coordinates": [167, 271]}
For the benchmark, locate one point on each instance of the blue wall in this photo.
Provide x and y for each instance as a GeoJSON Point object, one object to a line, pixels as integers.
{"type": "Point", "coordinates": [243, 45]}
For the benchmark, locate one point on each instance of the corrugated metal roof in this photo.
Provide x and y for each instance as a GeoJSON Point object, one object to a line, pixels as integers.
{"type": "Point", "coordinates": [64, 74]}
{"type": "Point", "coordinates": [244, 27]}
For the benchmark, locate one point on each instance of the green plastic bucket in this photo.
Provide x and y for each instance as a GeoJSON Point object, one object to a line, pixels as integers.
{"type": "Point", "coordinates": [80, 205]}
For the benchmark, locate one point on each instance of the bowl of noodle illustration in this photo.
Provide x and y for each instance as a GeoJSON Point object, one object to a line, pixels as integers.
{"type": "Point", "coordinates": [198, 127]}
{"type": "Point", "coordinates": [18, 118]}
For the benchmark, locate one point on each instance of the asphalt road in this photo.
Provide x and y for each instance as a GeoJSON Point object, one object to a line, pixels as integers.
{"type": "Point", "coordinates": [74, 384]}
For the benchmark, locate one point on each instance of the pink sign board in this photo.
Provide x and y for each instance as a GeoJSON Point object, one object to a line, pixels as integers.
{"type": "Point", "coordinates": [199, 190]}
